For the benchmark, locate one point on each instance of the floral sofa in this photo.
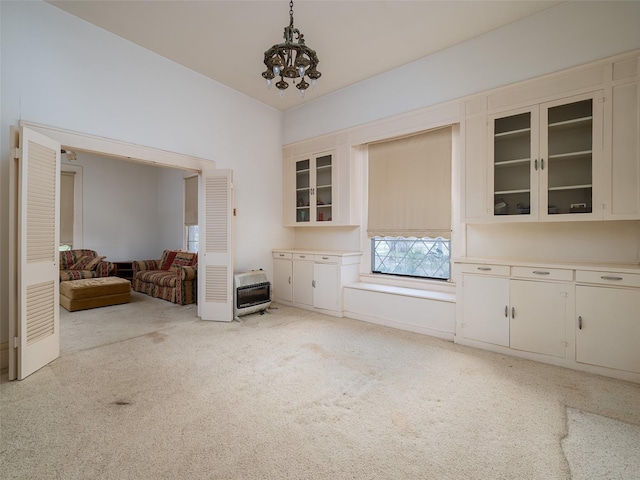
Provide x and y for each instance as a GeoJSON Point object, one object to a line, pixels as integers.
{"type": "Point", "coordinates": [173, 277]}
{"type": "Point", "coordinates": [79, 264]}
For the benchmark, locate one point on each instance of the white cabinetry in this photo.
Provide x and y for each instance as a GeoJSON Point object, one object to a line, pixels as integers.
{"type": "Point", "coordinates": [546, 160]}
{"type": "Point", "coordinates": [608, 321]}
{"type": "Point", "coordinates": [622, 186]}
{"type": "Point", "coordinates": [282, 277]}
{"type": "Point", "coordinates": [321, 185]}
{"type": "Point", "coordinates": [317, 278]}
{"type": "Point", "coordinates": [561, 314]}
{"type": "Point", "coordinates": [486, 301]}
{"type": "Point", "coordinates": [527, 315]}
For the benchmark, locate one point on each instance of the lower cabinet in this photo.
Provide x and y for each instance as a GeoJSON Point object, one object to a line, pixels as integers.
{"type": "Point", "coordinates": [313, 280]}
{"type": "Point", "coordinates": [608, 327]}
{"type": "Point", "coordinates": [538, 317]}
{"type": "Point", "coordinates": [485, 303]}
{"type": "Point", "coordinates": [573, 317]}
{"type": "Point", "coordinates": [519, 314]}
{"type": "Point", "coordinates": [282, 277]}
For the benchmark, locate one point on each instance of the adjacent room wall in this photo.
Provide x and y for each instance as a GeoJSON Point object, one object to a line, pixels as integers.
{"type": "Point", "coordinates": [61, 71]}
{"type": "Point", "coordinates": [570, 34]}
{"type": "Point", "coordinates": [131, 211]}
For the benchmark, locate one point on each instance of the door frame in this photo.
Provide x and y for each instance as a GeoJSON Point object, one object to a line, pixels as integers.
{"type": "Point", "coordinates": [83, 142]}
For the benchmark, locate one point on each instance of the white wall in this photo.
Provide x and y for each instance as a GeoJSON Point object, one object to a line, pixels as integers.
{"type": "Point", "coordinates": [61, 71]}
{"type": "Point", "coordinates": [570, 34]}
{"type": "Point", "coordinates": [131, 211]}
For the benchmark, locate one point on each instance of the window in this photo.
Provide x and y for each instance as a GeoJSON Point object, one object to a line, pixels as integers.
{"type": "Point", "coordinates": [192, 238]}
{"type": "Point", "coordinates": [409, 206]}
{"type": "Point", "coordinates": [413, 257]}
{"type": "Point", "coordinates": [191, 213]}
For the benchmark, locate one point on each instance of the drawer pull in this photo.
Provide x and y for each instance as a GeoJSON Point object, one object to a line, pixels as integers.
{"type": "Point", "coordinates": [484, 269]}
{"type": "Point", "coordinates": [513, 312]}
{"type": "Point", "coordinates": [580, 322]}
{"type": "Point", "coordinates": [541, 272]}
{"type": "Point", "coordinates": [281, 254]}
{"type": "Point", "coordinates": [303, 256]}
{"type": "Point", "coordinates": [325, 258]}
{"type": "Point", "coordinates": [610, 277]}
{"type": "Point", "coordinates": [506, 311]}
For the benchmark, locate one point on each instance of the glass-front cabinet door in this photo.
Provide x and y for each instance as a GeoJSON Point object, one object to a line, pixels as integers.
{"type": "Point", "coordinates": [314, 189]}
{"type": "Point", "coordinates": [545, 160]}
{"type": "Point", "coordinates": [514, 145]}
{"type": "Point", "coordinates": [571, 139]}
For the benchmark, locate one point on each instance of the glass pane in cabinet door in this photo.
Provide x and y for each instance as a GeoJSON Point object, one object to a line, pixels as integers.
{"type": "Point", "coordinates": [323, 193]}
{"type": "Point", "coordinates": [511, 165]}
{"type": "Point", "coordinates": [303, 190]}
{"type": "Point", "coordinates": [569, 166]}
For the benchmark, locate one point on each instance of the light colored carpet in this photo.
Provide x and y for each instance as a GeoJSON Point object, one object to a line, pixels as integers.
{"type": "Point", "coordinates": [148, 391]}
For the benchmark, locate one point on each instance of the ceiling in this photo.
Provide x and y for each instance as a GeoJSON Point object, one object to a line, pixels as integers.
{"type": "Point", "coordinates": [354, 40]}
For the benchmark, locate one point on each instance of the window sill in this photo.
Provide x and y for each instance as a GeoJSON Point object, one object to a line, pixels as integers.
{"type": "Point", "coordinates": [445, 286]}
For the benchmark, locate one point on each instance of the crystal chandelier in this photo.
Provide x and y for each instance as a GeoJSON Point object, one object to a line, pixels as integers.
{"type": "Point", "coordinates": [291, 59]}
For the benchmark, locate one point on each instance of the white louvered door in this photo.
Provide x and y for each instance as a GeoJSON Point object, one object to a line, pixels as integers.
{"type": "Point", "coordinates": [38, 333]}
{"type": "Point", "coordinates": [215, 257]}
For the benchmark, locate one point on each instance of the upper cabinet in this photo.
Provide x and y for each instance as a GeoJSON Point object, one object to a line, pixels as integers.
{"type": "Point", "coordinates": [314, 181]}
{"type": "Point", "coordinates": [321, 183]}
{"type": "Point", "coordinates": [563, 147]}
{"type": "Point", "coordinates": [546, 160]}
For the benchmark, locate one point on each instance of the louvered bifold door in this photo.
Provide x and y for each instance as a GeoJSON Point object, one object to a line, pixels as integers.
{"type": "Point", "coordinates": [38, 333]}
{"type": "Point", "coordinates": [215, 256]}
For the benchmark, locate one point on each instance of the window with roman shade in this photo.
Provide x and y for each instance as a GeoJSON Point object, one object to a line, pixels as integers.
{"type": "Point", "coordinates": [410, 186]}
{"type": "Point", "coordinates": [191, 212]}
{"type": "Point", "coordinates": [409, 208]}
{"type": "Point", "coordinates": [67, 194]}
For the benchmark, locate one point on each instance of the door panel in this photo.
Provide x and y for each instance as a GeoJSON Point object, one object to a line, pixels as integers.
{"type": "Point", "coordinates": [215, 259]}
{"type": "Point", "coordinates": [38, 324]}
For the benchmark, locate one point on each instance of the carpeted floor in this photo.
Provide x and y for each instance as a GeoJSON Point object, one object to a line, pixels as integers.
{"type": "Point", "coordinates": [148, 391]}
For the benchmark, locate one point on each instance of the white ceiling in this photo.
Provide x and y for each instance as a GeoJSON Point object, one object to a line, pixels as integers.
{"type": "Point", "coordinates": [354, 40]}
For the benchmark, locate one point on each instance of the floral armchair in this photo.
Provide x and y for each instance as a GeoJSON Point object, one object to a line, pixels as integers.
{"type": "Point", "coordinates": [173, 277]}
{"type": "Point", "coordinates": [83, 263]}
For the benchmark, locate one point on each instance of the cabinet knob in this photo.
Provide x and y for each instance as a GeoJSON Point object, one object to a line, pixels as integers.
{"type": "Point", "coordinates": [542, 164]}
{"type": "Point", "coordinates": [513, 312]}
{"type": "Point", "coordinates": [313, 283]}
{"type": "Point", "coordinates": [289, 280]}
{"type": "Point", "coordinates": [506, 311]}
{"type": "Point", "coordinates": [535, 164]}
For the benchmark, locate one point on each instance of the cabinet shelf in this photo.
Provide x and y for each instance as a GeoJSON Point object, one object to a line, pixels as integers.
{"type": "Point", "coordinates": [574, 122]}
{"type": "Point", "coordinates": [570, 187]}
{"type": "Point", "coordinates": [511, 192]}
{"type": "Point", "coordinates": [508, 163]}
{"type": "Point", "coordinates": [571, 155]}
{"type": "Point", "coordinates": [512, 133]}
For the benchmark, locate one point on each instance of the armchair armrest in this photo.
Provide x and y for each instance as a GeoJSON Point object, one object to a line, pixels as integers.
{"type": "Point", "coordinates": [142, 265]}
{"type": "Point", "coordinates": [187, 273]}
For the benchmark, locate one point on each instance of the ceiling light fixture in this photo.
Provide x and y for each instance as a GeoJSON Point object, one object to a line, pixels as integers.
{"type": "Point", "coordinates": [291, 59]}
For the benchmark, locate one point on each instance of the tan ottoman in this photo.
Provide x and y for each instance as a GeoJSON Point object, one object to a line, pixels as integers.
{"type": "Point", "coordinates": [94, 292]}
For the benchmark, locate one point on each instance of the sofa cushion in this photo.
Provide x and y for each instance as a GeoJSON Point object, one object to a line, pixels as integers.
{"type": "Point", "coordinates": [182, 259]}
{"type": "Point", "coordinates": [162, 278]}
{"type": "Point", "coordinates": [168, 259]}
{"type": "Point", "coordinates": [87, 262]}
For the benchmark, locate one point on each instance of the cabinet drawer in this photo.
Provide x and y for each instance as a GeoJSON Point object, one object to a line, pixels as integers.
{"type": "Point", "coordinates": [608, 278]}
{"type": "Point", "coordinates": [303, 256]}
{"type": "Point", "coordinates": [486, 269]}
{"type": "Point", "coordinates": [543, 273]}
{"type": "Point", "coordinates": [327, 258]}
{"type": "Point", "coordinates": [283, 255]}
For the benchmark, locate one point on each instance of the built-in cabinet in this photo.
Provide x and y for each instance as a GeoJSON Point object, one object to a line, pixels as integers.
{"type": "Point", "coordinates": [546, 160]}
{"type": "Point", "coordinates": [565, 147]}
{"type": "Point", "coordinates": [572, 316]}
{"type": "Point", "coordinates": [314, 279]}
{"type": "Point", "coordinates": [321, 185]}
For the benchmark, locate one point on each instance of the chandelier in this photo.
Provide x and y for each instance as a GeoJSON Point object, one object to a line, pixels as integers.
{"type": "Point", "coordinates": [291, 59]}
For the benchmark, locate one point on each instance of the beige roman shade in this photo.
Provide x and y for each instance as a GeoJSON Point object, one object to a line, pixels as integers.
{"type": "Point", "coordinates": [410, 186]}
{"type": "Point", "coordinates": [66, 207]}
{"type": "Point", "coordinates": [191, 201]}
